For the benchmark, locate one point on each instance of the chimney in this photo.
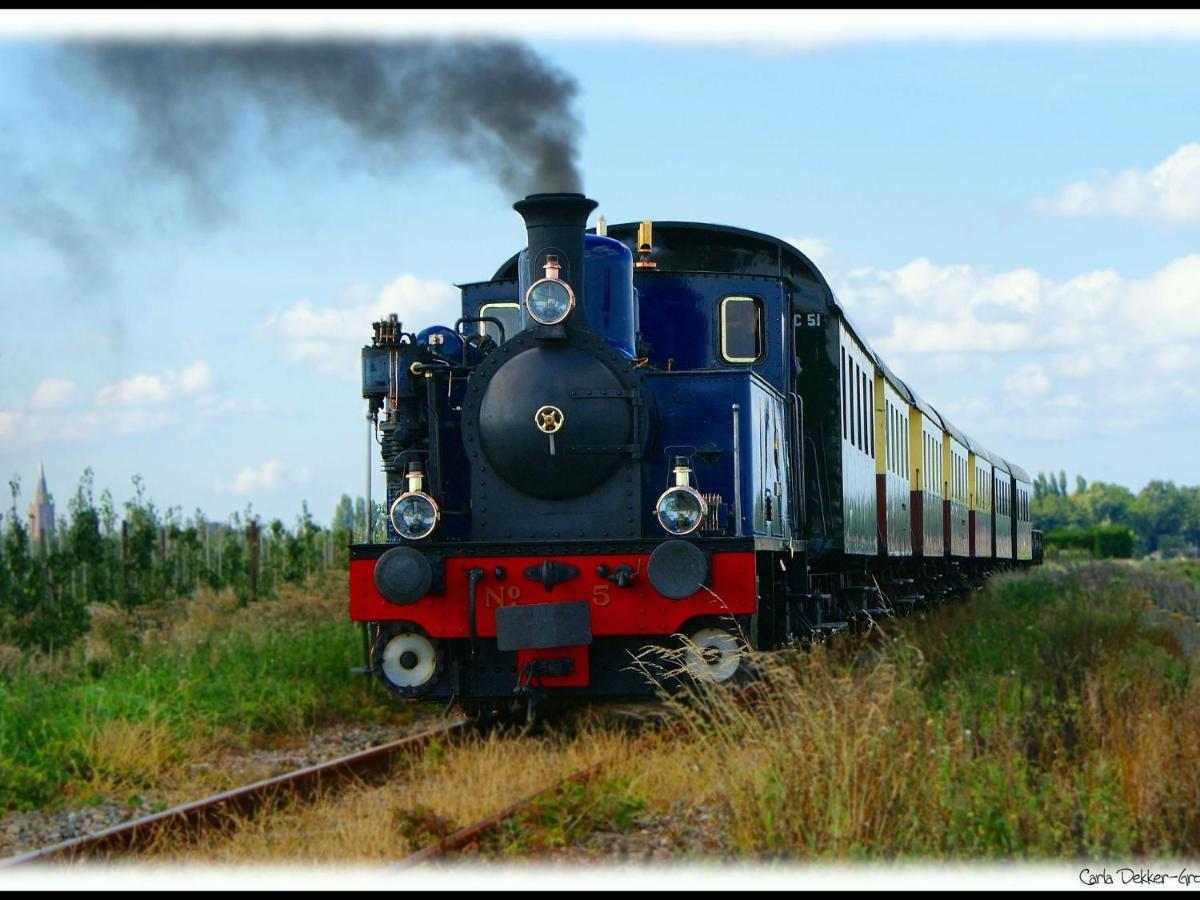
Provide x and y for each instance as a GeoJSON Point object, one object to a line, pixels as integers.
{"type": "Point", "coordinates": [555, 224]}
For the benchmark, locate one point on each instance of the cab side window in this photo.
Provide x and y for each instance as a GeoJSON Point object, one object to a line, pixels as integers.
{"type": "Point", "coordinates": [509, 314]}
{"type": "Point", "coordinates": [742, 330]}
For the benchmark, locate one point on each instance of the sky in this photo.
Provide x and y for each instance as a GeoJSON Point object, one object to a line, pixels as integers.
{"type": "Point", "coordinates": [1012, 223]}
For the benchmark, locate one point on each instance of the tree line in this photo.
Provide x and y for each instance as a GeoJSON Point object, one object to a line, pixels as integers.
{"type": "Point", "coordinates": [1162, 518]}
{"type": "Point", "coordinates": [135, 553]}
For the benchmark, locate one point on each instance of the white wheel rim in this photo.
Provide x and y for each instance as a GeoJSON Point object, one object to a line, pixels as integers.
{"type": "Point", "coordinates": [712, 655]}
{"type": "Point", "coordinates": [420, 672]}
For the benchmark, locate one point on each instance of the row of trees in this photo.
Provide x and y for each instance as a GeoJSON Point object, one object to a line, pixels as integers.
{"type": "Point", "coordinates": [137, 554]}
{"type": "Point", "coordinates": [1164, 517]}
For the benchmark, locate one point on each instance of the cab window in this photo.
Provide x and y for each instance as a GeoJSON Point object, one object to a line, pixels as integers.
{"type": "Point", "coordinates": [742, 338]}
{"type": "Point", "coordinates": [509, 315]}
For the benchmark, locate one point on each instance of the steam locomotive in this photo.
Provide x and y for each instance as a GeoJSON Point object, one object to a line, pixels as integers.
{"type": "Point", "coordinates": [645, 432]}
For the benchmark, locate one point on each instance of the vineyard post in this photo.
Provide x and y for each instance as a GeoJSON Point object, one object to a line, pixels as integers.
{"type": "Point", "coordinates": [252, 557]}
{"type": "Point", "coordinates": [125, 560]}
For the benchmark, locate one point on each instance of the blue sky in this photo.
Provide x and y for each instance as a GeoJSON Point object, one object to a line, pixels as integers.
{"type": "Point", "coordinates": [1013, 224]}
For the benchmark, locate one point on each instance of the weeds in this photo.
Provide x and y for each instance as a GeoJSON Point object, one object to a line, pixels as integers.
{"type": "Point", "coordinates": [154, 688]}
{"type": "Point", "coordinates": [429, 797]}
{"type": "Point", "coordinates": [1054, 716]}
{"type": "Point", "coordinates": [574, 811]}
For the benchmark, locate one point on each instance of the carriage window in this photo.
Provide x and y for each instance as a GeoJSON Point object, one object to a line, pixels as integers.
{"type": "Point", "coordinates": [742, 329]}
{"type": "Point", "coordinates": [889, 418]}
{"type": "Point", "coordinates": [855, 415]}
{"type": "Point", "coordinates": [845, 408]}
{"type": "Point", "coordinates": [887, 436]}
{"type": "Point", "coordinates": [901, 437]}
{"type": "Point", "coordinates": [509, 315]}
{"type": "Point", "coordinates": [871, 414]}
{"type": "Point", "coordinates": [862, 413]}
{"type": "Point", "coordinates": [862, 408]}
{"type": "Point", "coordinates": [895, 417]}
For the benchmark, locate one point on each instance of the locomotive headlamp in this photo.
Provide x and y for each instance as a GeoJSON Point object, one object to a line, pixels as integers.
{"type": "Point", "coordinates": [414, 513]}
{"type": "Point", "coordinates": [550, 300]}
{"type": "Point", "coordinates": [681, 508]}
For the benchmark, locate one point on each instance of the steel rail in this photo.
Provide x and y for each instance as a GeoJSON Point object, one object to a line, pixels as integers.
{"type": "Point", "coordinates": [464, 836]}
{"type": "Point", "coordinates": [220, 809]}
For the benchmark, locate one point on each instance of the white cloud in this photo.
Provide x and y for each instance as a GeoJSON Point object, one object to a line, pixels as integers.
{"type": "Point", "coordinates": [991, 348]}
{"type": "Point", "coordinates": [133, 405]}
{"type": "Point", "coordinates": [949, 363]}
{"type": "Point", "coordinates": [154, 390]}
{"type": "Point", "coordinates": [30, 427]}
{"type": "Point", "coordinates": [1175, 358]}
{"type": "Point", "coordinates": [53, 393]}
{"type": "Point", "coordinates": [1167, 306]}
{"type": "Point", "coordinates": [250, 479]}
{"type": "Point", "coordinates": [137, 390]}
{"type": "Point", "coordinates": [328, 338]}
{"type": "Point", "coordinates": [1028, 382]}
{"type": "Point", "coordinates": [1086, 362]}
{"type": "Point", "coordinates": [196, 378]}
{"type": "Point", "coordinates": [1068, 401]}
{"type": "Point", "coordinates": [924, 308]}
{"type": "Point", "coordinates": [266, 477]}
{"type": "Point", "coordinates": [1170, 192]}
{"type": "Point", "coordinates": [1186, 389]}
{"type": "Point", "coordinates": [814, 248]}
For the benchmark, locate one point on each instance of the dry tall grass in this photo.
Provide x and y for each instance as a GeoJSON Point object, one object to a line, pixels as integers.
{"type": "Point", "coordinates": [441, 791]}
{"type": "Point", "coordinates": [1052, 718]}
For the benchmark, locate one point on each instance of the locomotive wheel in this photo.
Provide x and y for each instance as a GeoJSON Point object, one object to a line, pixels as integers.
{"type": "Point", "coordinates": [486, 714]}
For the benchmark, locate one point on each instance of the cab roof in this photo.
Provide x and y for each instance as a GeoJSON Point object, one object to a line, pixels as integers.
{"type": "Point", "coordinates": [704, 247]}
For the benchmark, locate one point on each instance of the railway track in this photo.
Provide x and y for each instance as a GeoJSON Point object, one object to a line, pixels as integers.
{"type": "Point", "coordinates": [462, 838]}
{"type": "Point", "coordinates": [224, 809]}
{"type": "Point", "coordinates": [471, 834]}
{"type": "Point", "coordinates": [475, 832]}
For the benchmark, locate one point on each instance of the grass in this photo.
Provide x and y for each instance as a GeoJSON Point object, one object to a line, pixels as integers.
{"type": "Point", "coordinates": [1188, 568]}
{"type": "Point", "coordinates": [433, 796]}
{"type": "Point", "coordinates": [1054, 716]}
{"type": "Point", "coordinates": [148, 694]}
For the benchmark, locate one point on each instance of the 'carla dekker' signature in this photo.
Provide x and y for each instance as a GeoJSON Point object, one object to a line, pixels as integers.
{"type": "Point", "coordinates": [1127, 875]}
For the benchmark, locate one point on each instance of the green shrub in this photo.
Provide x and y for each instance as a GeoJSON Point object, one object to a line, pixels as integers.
{"type": "Point", "coordinates": [139, 696]}
{"type": "Point", "coordinates": [1102, 541]}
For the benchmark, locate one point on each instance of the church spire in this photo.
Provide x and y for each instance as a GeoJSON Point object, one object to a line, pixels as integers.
{"type": "Point", "coordinates": [40, 492]}
{"type": "Point", "coordinates": [41, 512]}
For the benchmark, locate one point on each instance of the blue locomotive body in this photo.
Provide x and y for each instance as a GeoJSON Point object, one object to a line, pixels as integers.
{"type": "Point", "coordinates": [665, 429]}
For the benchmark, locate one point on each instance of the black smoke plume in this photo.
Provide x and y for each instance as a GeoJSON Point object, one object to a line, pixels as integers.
{"type": "Point", "coordinates": [495, 106]}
